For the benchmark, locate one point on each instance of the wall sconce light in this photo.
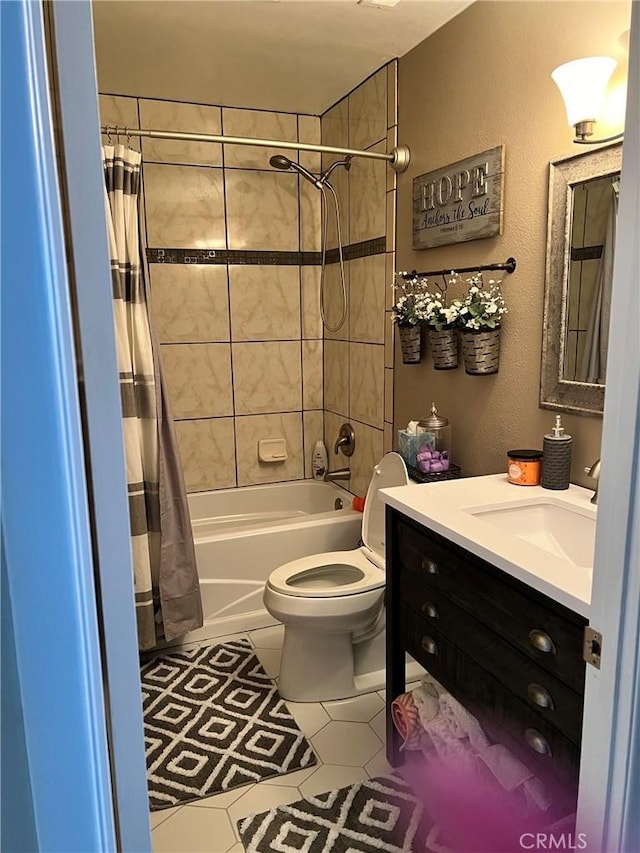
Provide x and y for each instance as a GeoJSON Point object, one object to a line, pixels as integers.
{"type": "Point", "coordinates": [583, 84]}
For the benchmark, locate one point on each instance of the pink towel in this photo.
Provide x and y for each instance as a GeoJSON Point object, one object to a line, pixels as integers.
{"type": "Point", "coordinates": [407, 721]}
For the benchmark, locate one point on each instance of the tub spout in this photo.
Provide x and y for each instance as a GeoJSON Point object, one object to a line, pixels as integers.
{"type": "Point", "coordinates": [340, 474]}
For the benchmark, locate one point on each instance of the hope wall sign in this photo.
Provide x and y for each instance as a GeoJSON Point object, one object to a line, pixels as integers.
{"type": "Point", "coordinates": [460, 202]}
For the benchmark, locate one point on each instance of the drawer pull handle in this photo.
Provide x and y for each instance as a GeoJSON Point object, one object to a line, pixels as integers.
{"type": "Point", "coordinates": [429, 566]}
{"type": "Point", "coordinates": [541, 641]}
{"type": "Point", "coordinates": [429, 646]}
{"type": "Point", "coordinates": [540, 696]}
{"type": "Point", "coordinates": [429, 610]}
{"type": "Point", "coordinates": [537, 742]}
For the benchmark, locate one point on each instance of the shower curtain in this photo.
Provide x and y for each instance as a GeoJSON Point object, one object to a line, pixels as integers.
{"type": "Point", "coordinates": [167, 592]}
{"type": "Point", "coordinates": [593, 366]}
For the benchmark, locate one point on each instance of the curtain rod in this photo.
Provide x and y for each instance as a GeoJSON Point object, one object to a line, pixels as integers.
{"type": "Point", "coordinates": [509, 266]}
{"type": "Point", "coordinates": [398, 158]}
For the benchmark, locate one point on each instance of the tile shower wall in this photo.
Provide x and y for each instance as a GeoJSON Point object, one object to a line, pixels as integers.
{"type": "Point", "coordinates": [358, 359]}
{"type": "Point", "coordinates": [241, 341]}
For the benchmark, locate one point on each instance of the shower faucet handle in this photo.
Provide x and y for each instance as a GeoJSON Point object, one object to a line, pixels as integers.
{"type": "Point", "coordinates": [346, 440]}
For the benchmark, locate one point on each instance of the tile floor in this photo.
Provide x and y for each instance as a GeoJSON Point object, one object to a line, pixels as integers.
{"type": "Point", "coordinates": [348, 738]}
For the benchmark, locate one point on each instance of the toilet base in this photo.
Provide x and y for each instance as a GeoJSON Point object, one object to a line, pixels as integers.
{"type": "Point", "coordinates": [320, 667]}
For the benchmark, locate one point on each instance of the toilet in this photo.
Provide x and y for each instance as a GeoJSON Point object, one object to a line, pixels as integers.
{"type": "Point", "coordinates": [332, 608]}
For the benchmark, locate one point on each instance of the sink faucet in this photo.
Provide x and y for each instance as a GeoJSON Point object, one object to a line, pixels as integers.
{"type": "Point", "coordinates": [340, 474]}
{"type": "Point", "coordinates": [594, 471]}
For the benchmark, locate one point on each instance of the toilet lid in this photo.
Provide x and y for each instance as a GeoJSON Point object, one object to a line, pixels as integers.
{"type": "Point", "coordinates": [389, 472]}
{"type": "Point", "coordinates": [329, 575]}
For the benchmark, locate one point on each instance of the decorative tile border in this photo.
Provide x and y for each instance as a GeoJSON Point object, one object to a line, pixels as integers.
{"type": "Point", "coordinates": [241, 256]}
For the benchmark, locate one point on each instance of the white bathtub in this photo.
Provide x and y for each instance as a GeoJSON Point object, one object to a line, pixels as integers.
{"type": "Point", "coordinates": [242, 535]}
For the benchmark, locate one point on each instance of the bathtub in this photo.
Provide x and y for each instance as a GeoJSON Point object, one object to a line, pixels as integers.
{"type": "Point", "coordinates": [242, 535]}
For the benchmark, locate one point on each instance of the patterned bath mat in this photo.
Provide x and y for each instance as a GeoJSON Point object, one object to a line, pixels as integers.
{"type": "Point", "coordinates": [213, 721]}
{"type": "Point", "coordinates": [377, 815]}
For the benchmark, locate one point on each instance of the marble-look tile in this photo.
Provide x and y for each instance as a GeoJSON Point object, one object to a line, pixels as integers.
{"type": "Point", "coordinates": [388, 438]}
{"type": "Point", "coordinates": [332, 424]}
{"type": "Point", "coordinates": [257, 124]}
{"type": "Point", "coordinates": [379, 724]}
{"type": "Point", "coordinates": [198, 379]}
{"type": "Point", "coordinates": [195, 830]}
{"type": "Point", "coordinates": [334, 126]}
{"type": "Point", "coordinates": [267, 377]}
{"type": "Point", "coordinates": [309, 131]}
{"type": "Point", "coordinates": [265, 302]}
{"type": "Point", "coordinates": [390, 269]}
{"type": "Point", "coordinates": [366, 298]}
{"type": "Point", "coordinates": [367, 198]}
{"type": "Point", "coordinates": [192, 118]}
{"type": "Point", "coordinates": [391, 221]}
{"type": "Point", "coordinates": [190, 302]}
{"type": "Point", "coordinates": [392, 93]}
{"type": "Point", "coordinates": [312, 388]}
{"type": "Point", "coordinates": [262, 210]}
{"type": "Point", "coordinates": [121, 111]}
{"type": "Point", "coordinates": [336, 377]}
{"type": "Point", "coordinates": [208, 453]}
{"type": "Point", "coordinates": [388, 394]}
{"type": "Point", "coordinates": [333, 300]}
{"type": "Point", "coordinates": [378, 766]}
{"type": "Point", "coordinates": [366, 383]}
{"type": "Point", "coordinates": [270, 660]}
{"type": "Point", "coordinates": [368, 111]}
{"type": "Point", "coordinates": [368, 452]}
{"type": "Point", "coordinates": [185, 207]}
{"type": "Point", "coordinates": [340, 183]}
{"type": "Point", "coordinates": [313, 425]}
{"type": "Point", "coordinates": [335, 131]}
{"type": "Point", "coordinates": [389, 337]}
{"type": "Point", "coordinates": [250, 429]}
{"type": "Point", "coordinates": [311, 320]}
{"type": "Point", "coordinates": [156, 818]}
{"type": "Point", "coordinates": [310, 217]}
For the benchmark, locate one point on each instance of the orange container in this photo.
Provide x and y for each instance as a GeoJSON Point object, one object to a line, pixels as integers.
{"type": "Point", "coordinates": [524, 467]}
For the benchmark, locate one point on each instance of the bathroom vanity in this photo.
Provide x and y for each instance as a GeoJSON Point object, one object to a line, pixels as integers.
{"type": "Point", "coordinates": [482, 593]}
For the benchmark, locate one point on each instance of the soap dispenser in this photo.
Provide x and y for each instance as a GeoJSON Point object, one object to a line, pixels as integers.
{"type": "Point", "coordinates": [556, 459]}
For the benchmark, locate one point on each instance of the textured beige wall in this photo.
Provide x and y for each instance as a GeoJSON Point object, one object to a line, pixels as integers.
{"type": "Point", "coordinates": [482, 80]}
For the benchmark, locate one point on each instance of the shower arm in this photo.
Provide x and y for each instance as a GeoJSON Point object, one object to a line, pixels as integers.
{"type": "Point", "coordinates": [398, 158]}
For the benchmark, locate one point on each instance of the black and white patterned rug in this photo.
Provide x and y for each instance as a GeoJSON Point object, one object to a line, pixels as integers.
{"type": "Point", "coordinates": [377, 815]}
{"type": "Point", "coordinates": [213, 720]}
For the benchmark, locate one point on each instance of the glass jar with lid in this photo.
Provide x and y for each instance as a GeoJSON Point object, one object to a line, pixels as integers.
{"type": "Point", "coordinates": [433, 441]}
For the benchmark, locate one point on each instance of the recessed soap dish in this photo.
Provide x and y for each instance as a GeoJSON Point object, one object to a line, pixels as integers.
{"type": "Point", "coordinates": [272, 450]}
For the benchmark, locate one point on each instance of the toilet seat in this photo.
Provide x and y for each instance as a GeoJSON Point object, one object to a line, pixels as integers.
{"type": "Point", "coordinates": [329, 575]}
{"type": "Point", "coordinates": [335, 574]}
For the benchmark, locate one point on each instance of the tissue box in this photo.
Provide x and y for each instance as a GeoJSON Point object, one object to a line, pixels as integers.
{"type": "Point", "coordinates": [408, 447]}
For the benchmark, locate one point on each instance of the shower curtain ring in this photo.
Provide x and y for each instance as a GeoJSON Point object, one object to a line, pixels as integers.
{"type": "Point", "coordinates": [126, 130]}
{"type": "Point", "coordinates": [108, 129]}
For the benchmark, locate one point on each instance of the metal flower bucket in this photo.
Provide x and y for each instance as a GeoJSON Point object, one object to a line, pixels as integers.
{"type": "Point", "coordinates": [481, 351]}
{"type": "Point", "coordinates": [444, 348]}
{"type": "Point", "coordinates": [411, 343]}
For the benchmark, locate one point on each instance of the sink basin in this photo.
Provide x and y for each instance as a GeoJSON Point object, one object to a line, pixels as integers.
{"type": "Point", "coordinates": [558, 529]}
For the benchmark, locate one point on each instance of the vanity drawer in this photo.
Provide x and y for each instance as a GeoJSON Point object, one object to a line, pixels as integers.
{"type": "Point", "coordinates": [546, 632]}
{"type": "Point", "coordinates": [503, 716]}
{"type": "Point", "coordinates": [546, 695]}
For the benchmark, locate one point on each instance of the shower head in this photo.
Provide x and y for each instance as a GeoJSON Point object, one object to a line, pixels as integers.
{"type": "Point", "coordinates": [279, 161]}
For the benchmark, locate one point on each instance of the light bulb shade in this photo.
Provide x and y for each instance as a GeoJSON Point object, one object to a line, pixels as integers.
{"type": "Point", "coordinates": [583, 84]}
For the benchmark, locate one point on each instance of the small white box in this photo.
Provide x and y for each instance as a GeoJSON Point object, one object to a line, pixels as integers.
{"type": "Point", "coordinates": [272, 450]}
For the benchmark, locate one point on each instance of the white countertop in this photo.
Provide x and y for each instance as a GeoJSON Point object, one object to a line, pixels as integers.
{"type": "Point", "coordinates": [444, 508]}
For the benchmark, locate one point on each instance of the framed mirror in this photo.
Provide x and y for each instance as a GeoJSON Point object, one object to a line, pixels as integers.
{"type": "Point", "coordinates": [581, 225]}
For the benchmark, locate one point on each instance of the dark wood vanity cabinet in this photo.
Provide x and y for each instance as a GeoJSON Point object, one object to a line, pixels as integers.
{"type": "Point", "coordinates": [510, 655]}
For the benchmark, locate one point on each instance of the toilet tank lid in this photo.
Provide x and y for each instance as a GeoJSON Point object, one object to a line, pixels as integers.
{"type": "Point", "coordinates": [389, 472]}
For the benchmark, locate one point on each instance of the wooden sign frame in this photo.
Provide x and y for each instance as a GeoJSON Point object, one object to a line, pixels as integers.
{"type": "Point", "coordinates": [460, 202]}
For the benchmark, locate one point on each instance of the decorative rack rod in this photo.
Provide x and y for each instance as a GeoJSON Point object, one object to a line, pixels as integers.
{"type": "Point", "coordinates": [509, 266]}
{"type": "Point", "coordinates": [398, 157]}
